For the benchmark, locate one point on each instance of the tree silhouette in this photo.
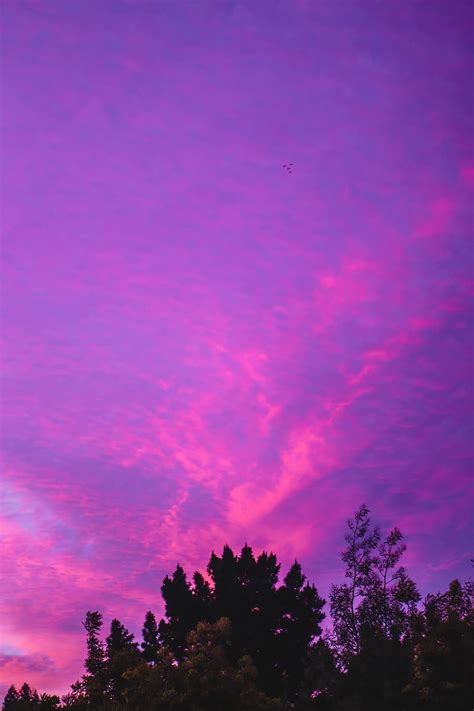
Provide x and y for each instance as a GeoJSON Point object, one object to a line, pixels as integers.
{"type": "Point", "coordinates": [89, 692]}
{"type": "Point", "coordinates": [151, 643]}
{"type": "Point", "coordinates": [371, 616]}
{"type": "Point", "coordinates": [211, 681]}
{"type": "Point", "coordinates": [202, 598]}
{"type": "Point", "coordinates": [119, 639]}
{"type": "Point", "coordinates": [274, 626]}
{"type": "Point", "coordinates": [28, 698]}
{"type": "Point", "coordinates": [179, 610]}
{"type": "Point", "coordinates": [301, 615]}
{"type": "Point", "coordinates": [122, 655]}
{"type": "Point", "coordinates": [12, 697]}
{"type": "Point", "coordinates": [243, 639]}
{"type": "Point", "coordinates": [359, 560]}
{"type": "Point", "coordinates": [443, 664]}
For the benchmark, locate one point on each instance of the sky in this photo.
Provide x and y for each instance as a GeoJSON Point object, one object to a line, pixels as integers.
{"type": "Point", "coordinates": [199, 347]}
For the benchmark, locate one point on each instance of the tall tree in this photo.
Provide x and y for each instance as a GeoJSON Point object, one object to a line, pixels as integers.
{"type": "Point", "coordinates": [151, 643]}
{"type": "Point", "coordinates": [122, 655]}
{"type": "Point", "coordinates": [443, 674]}
{"type": "Point", "coordinates": [94, 683]}
{"type": "Point", "coordinates": [390, 596]}
{"type": "Point", "coordinates": [95, 660]}
{"type": "Point", "coordinates": [119, 639]}
{"type": "Point", "coordinates": [359, 560]}
{"type": "Point", "coordinates": [179, 611]}
{"type": "Point", "coordinates": [244, 590]}
{"type": "Point", "coordinates": [12, 697]}
{"type": "Point", "coordinates": [28, 697]}
{"type": "Point", "coordinates": [264, 619]}
{"type": "Point", "coordinates": [301, 616]}
{"type": "Point", "coordinates": [371, 617]}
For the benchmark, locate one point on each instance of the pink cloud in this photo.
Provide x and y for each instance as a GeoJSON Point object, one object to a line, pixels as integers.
{"type": "Point", "coordinates": [438, 220]}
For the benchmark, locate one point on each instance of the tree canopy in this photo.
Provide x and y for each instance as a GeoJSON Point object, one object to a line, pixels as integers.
{"type": "Point", "coordinates": [244, 637]}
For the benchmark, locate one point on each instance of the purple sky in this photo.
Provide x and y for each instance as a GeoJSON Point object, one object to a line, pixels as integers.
{"type": "Point", "coordinates": [201, 348]}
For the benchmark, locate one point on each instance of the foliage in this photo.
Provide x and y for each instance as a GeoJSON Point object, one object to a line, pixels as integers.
{"type": "Point", "coordinates": [28, 698]}
{"type": "Point", "coordinates": [444, 651]}
{"type": "Point", "coordinates": [151, 642]}
{"type": "Point", "coordinates": [273, 625]}
{"type": "Point", "coordinates": [122, 655]}
{"type": "Point", "coordinates": [240, 640]}
{"type": "Point", "coordinates": [380, 597]}
{"type": "Point", "coordinates": [371, 616]}
{"type": "Point", "coordinates": [210, 681]}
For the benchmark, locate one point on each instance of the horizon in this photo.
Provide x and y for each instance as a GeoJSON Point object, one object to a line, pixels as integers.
{"type": "Point", "coordinates": [203, 346]}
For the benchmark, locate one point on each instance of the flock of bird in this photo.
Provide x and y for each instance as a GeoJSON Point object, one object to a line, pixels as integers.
{"type": "Point", "coordinates": [288, 167]}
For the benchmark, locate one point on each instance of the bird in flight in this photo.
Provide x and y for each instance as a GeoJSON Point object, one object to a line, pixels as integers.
{"type": "Point", "coordinates": [288, 167]}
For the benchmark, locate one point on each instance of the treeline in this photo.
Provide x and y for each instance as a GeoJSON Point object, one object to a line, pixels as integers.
{"type": "Point", "coordinates": [242, 641]}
